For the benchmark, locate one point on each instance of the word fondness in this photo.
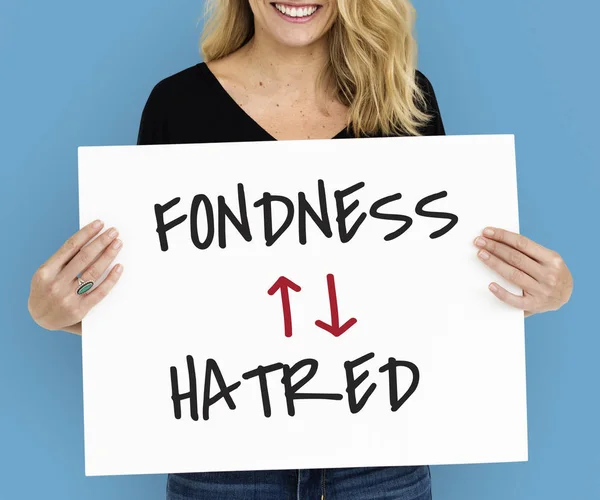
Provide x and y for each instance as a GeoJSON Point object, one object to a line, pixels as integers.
{"type": "Point", "coordinates": [216, 216]}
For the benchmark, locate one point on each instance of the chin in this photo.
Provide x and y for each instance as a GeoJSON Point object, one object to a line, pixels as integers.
{"type": "Point", "coordinates": [295, 41]}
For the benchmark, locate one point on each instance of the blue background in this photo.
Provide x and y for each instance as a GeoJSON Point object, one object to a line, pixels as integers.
{"type": "Point", "coordinates": [78, 73]}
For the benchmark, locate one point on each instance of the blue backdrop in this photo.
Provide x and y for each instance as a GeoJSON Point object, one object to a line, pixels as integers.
{"type": "Point", "coordinates": [78, 73]}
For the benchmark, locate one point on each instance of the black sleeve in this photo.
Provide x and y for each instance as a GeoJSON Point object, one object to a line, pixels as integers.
{"type": "Point", "coordinates": [153, 123]}
{"type": "Point", "coordinates": [435, 125]}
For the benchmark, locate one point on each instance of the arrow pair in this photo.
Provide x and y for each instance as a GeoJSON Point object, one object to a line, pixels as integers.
{"type": "Point", "coordinates": [285, 285]}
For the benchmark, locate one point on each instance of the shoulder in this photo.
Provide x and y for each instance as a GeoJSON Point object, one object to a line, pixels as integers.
{"type": "Point", "coordinates": [435, 126]}
{"type": "Point", "coordinates": [422, 80]}
{"type": "Point", "coordinates": [174, 105]}
{"type": "Point", "coordinates": [188, 82]}
{"type": "Point", "coordinates": [426, 87]}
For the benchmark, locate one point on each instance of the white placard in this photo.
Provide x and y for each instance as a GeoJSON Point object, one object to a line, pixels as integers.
{"type": "Point", "coordinates": [398, 292]}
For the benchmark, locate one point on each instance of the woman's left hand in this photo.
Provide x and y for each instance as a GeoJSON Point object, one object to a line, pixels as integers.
{"type": "Point", "coordinates": [542, 274]}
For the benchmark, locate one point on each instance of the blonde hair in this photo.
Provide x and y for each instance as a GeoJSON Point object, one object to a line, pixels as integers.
{"type": "Point", "coordinates": [372, 63]}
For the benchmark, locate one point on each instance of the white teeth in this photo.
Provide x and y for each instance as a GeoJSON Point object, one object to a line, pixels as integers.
{"type": "Point", "coordinates": [296, 12]}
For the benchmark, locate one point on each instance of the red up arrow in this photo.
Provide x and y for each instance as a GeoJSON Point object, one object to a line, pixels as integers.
{"type": "Point", "coordinates": [335, 329]}
{"type": "Point", "coordinates": [284, 285]}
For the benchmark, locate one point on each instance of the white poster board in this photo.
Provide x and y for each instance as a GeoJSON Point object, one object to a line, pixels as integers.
{"type": "Point", "coordinates": [397, 292]}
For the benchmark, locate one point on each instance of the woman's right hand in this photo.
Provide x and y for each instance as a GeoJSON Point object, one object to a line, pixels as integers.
{"type": "Point", "coordinates": [53, 300]}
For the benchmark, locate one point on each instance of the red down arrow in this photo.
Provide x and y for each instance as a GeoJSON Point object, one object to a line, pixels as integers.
{"type": "Point", "coordinates": [334, 328]}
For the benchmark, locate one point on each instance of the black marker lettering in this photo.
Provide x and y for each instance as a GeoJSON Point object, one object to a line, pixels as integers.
{"type": "Point", "coordinates": [378, 215]}
{"type": "Point", "coordinates": [224, 392]}
{"type": "Point", "coordinates": [391, 366]}
{"type": "Point", "coordinates": [291, 390]}
{"type": "Point", "coordinates": [438, 215]}
{"type": "Point", "coordinates": [261, 373]}
{"type": "Point", "coordinates": [305, 208]}
{"type": "Point", "coordinates": [265, 202]}
{"type": "Point", "coordinates": [343, 212]}
{"type": "Point", "coordinates": [243, 226]}
{"type": "Point", "coordinates": [161, 227]}
{"type": "Point", "coordinates": [192, 395]}
{"type": "Point", "coordinates": [210, 221]}
{"type": "Point", "coordinates": [353, 383]}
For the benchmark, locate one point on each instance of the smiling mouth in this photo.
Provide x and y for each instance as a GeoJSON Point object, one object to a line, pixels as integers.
{"type": "Point", "coordinates": [293, 12]}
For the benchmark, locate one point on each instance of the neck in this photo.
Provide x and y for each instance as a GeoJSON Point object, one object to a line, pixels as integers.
{"type": "Point", "coordinates": [296, 67]}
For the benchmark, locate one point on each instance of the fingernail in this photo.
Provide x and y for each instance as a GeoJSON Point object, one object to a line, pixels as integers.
{"type": "Point", "coordinates": [484, 255]}
{"type": "Point", "coordinates": [112, 233]}
{"type": "Point", "coordinates": [97, 224]}
{"type": "Point", "coordinates": [480, 242]}
{"type": "Point", "coordinates": [493, 287]}
{"type": "Point", "coordinates": [488, 231]}
{"type": "Point", "coordinates": [118, 269]}
{"type": "Point", "coordinates": [117, 244]}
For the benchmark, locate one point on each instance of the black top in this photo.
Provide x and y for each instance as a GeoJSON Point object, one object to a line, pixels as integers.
{"type": "Point", "coordinates": [193, 107]}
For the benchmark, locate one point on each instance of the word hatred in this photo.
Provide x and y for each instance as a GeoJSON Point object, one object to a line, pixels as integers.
{"type": "Point", "coordinates": [271, 235]}
{"type": "Point", "coordinates": [290, 389]}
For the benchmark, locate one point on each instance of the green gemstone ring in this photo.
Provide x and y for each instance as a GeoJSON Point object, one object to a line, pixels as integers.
{"type": "Point", "coordinates": [84, 286]}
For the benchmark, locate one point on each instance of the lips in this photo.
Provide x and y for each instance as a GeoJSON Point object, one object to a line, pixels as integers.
{"type": "Point", "coordinates": [296, 12]}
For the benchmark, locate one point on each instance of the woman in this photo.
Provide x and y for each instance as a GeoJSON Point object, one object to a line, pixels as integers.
{"type": "Point", "coordinates": [293, 70]}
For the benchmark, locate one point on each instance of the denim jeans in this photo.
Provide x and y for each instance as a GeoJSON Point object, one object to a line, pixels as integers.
{"type": "Point", "coordinates": [371, 483]}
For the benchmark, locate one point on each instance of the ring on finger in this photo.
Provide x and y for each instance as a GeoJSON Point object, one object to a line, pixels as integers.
{"type": "Point", "coordinates": [84, 286]}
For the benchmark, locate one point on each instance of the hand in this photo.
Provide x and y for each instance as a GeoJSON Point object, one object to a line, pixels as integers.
{"type": "Point", "coordinates": [53, 302]}
{"type": "Point", "coordinates": [542, 274]}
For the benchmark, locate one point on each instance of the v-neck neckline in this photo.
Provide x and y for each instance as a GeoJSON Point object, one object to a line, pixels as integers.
{"type": "Point", "coordinates": [242, 111]}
